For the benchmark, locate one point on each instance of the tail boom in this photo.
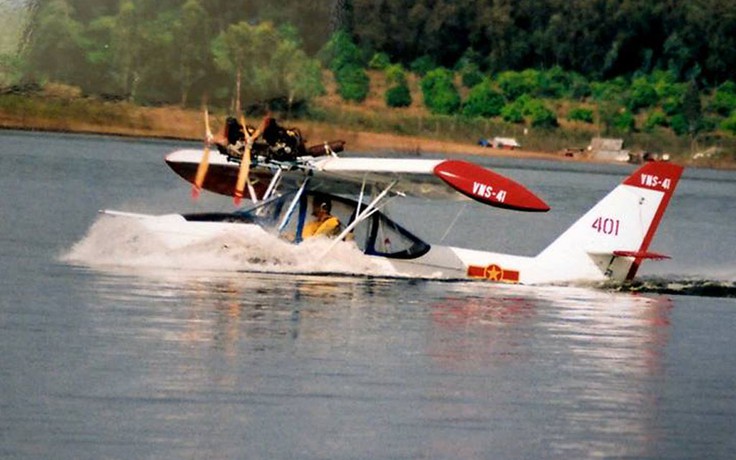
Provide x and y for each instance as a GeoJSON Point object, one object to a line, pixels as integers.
{"type": "Point", "coordinates": [609, 242]}
{"type": "Point", "coordinates": [612, 239]}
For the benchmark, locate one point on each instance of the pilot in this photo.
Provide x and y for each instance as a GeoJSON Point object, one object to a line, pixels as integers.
{"type": "Point", "coordinates": [324, 223]}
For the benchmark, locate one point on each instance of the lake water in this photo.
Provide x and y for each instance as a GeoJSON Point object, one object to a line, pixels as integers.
{"type": "Point", "coordinates": [114, 348]}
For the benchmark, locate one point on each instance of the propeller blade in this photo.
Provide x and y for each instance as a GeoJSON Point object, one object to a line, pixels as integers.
{"type": "Point", "coordinates": [244, 171]}
{"type": "Point", "coordinates": [205, 162]}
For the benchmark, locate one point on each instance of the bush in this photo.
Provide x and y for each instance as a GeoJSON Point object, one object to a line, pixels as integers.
{"type": "Point", "coordinates": [554, 83]}
{"type": "Point", "coordinates": [440, 95]}
{"type": "Point", "coordinates": [729, 124]}
{"type": "Point", "coordinates": [679, 124]}
{"type": "Point", "coordinates": [540, 116]}
{"type": "Point", "coordinates": [379, 61]}
{"type": "Point", "coordinates": [580, 114]}
{"type": "Point", "coordinates": [654, 119]}
{"type": "Point", "coordinates": [515, 84]}
{"type": "Point", "coordinates": [512, 113]}
{"type": "Point", "coordinates": [724, 99]}
{"type": "Point", "coordinates": [624, 121]}
{"type": "Point", "coordinates": [340, 51]}
{"type": "Point", "coordinates": [352, 83]}
{"type": "Point", "coordinates": [398, 96]}
{"type": "Point", "coordinates": [483, 101]}
{"type": "Point", "coordinates": [422, 65]}
{"type": "Point", "coordinates": [471, 76]}
{"type": "Point", "coordinates": [642, 95]}
{"type": "Point", "coordinates": [610, 90]}
{"type": "Point", "coordinates": [395, 75]}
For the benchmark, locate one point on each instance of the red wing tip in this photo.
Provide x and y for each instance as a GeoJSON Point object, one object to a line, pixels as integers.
{"type": "Point", "coordinates": [488, 187]}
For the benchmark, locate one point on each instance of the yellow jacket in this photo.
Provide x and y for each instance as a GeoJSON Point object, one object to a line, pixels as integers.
{"type": "Point", "coordinates": [327, 227]}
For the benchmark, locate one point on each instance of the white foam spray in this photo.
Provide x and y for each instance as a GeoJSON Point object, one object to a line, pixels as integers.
{"type": "Point", "coordinates": [127, 243]}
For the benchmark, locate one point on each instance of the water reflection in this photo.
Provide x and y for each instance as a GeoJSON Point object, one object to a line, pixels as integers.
{"type": "Point", "coordinates": [597, 358]}
{"type": "Point", "coordinates": [575, 370]}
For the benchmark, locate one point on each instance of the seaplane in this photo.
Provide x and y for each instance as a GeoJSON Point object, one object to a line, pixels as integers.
{"type": "Point", "coordinates": [607, 244]}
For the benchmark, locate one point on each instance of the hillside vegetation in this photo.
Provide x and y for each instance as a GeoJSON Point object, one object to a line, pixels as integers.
{"type": "Point", "coordinates": [552, 74]}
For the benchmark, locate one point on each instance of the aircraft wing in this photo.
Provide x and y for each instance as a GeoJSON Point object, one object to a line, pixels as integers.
{"type": "Point", "coordinates": [428, 178]}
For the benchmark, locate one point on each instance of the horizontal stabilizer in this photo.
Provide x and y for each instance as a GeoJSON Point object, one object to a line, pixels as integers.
{"type": "Point", "coordinates": [641, 255]}
{"type": "Point", "coordinates": [488, 187]}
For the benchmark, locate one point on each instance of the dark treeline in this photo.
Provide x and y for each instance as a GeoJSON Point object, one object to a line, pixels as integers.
{"type": "Point", "coordinates": [629, 64]}
{"type": "Point", "coordinates": [600, 39]}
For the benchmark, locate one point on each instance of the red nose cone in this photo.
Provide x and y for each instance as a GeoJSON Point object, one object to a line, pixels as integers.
{"type": "Point", "coordinates": [488, 187]}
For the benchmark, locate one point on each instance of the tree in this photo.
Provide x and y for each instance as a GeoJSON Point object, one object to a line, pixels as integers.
{"type": "Point", "coordinates": [353, 83]}
{"type": "Point", "coordinates": [192, 39]}
{"type": "Point", "coordinates": [540, 116]}
{"type": "Point", "coordinates": [580, 114]}
{"type": "Point", "coordinates": [300, 75]}
{"type": "Point", "coordinates": [724, 99]}
{"type": "Point", "coordinates": [439, 91]}
{"type": "Point", "coordinates": [692, 109]}
{"type": "Point", "coordinates": [244, 51]}
{"type": "Point", "coordinates": [398, 94]}
{"type": "Point", "coordinates": [643, 95]}
{"type": "Point", "coordinates": [484, 101]}
{"type": "Point", "coordinates": [340, 51]}
{"type": "Point", "coordinates": [515, 84]}
{"type": "Point", "coordinates": [57, 51]}
{"type": "Point", "coordinates": [127, 48]}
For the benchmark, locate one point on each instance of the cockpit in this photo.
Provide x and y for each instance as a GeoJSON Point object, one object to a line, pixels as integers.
{"type": "Point", "coordinates": [375, 234]}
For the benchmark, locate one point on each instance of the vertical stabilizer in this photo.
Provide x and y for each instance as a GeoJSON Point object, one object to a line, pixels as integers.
{"type": "Point", "coordinates": [611, 240]}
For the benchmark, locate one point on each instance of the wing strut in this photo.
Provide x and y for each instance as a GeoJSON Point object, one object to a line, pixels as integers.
{"type": "Point", "coordinates": [275, 181]}
{"type": "Point", "coordinates": [292, 205]}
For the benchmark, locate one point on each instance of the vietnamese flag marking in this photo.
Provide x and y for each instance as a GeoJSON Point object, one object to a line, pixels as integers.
{"type": "Point", "coordinates": [493, 272]}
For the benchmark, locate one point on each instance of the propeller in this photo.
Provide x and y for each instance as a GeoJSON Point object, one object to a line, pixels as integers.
{"type": "Point", "coordinates": [244, 170]}
{"type": "Point", "coordinates": [205, 162]}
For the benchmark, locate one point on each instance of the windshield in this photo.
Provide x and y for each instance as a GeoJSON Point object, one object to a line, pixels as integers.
{"type": "Point", "coordinates": [377, 235]}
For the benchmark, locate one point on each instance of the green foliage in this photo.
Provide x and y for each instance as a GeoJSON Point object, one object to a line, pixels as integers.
{"type": "Point", "coordinates": [422, 65]}
{"type": "Point", "coordinates": [483, 101]}
{"type": "Point", "coordinates": [624, 121]}
{"type": "Point", "coordinates": [471, 76]}
{"type": "Point", "coordinates": [395, 75]}
{"type": "Point", "coordinates": [555, 83]}
{"type": "Point", "coordinates": [353, 83]}
{"type": "Point", "coordinates": [10, 69]}
{"type": "Point", "coordinates": [515, 84]}
{"type": "Point", "coordinates": [580, 114]}
{"type": "Point", "coordinates": [398, 96]}
{"type": "Point", "coordinates": [654, 119]}
{"type": "Point", "coordinates": [580, 87]}
{"type": "Point", "coordinates": [512, 113]}
{"type": "Point", "coordinates": [379, 61]}
{"type": "Point", "coordinates": [439, 91]}
{"type": "Point", "coordinates": [729, 124]}
{"type": "Point", "coordinates": [340, 51]}
{"type": "Point", "coordinates": [724, 99]}
{"type": "Point", "coordinates": [643, 95]}
{"type": "Point", "coordinates": [540, 116]}
{"type": "Point", "coordinates": [679, 124]}
{"type": "Point", "coordinates": [692, 108]}
{"type": "Point", "coordinates": [58, 49]}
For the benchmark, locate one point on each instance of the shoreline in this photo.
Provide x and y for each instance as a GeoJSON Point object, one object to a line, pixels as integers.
{"type": "Point", "coordinates": [174, 123]}
{"type": "Point", "coordinates": [314, 132]}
